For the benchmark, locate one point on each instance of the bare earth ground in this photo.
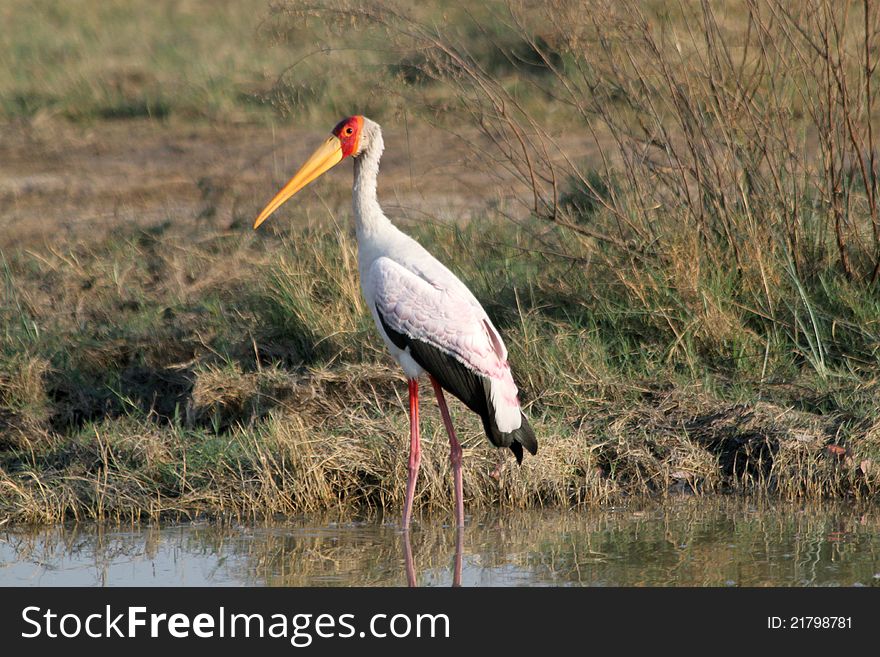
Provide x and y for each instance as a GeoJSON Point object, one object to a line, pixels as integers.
{"type": "Point", "coordinates": [60, 180]}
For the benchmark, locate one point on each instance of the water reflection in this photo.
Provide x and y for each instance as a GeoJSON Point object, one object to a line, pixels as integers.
{"type": "Point", "coordinates": [689, 542]}
{"type": "Point", "coordinates": [409, 563]}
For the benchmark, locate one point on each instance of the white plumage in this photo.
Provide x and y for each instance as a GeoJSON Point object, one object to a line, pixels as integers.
{"type": "Point", "coordinates": [419, 296]}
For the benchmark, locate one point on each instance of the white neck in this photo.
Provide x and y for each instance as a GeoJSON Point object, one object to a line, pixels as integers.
{"type": "Point", "coordinates": [368, 215]}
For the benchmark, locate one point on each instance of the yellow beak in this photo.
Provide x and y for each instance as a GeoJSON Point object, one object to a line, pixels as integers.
{"type": "Point", "coordinates": [328, 155]}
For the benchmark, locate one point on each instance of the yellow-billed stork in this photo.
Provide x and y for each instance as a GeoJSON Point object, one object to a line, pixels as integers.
{"type": "Point", "coordinates": [427, 317]}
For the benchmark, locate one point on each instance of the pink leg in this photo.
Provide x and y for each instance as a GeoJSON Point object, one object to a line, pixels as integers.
{"type": "Point", "coordinates": [415, 452]}
{"type": "Point", "coordinates": [454, 453]}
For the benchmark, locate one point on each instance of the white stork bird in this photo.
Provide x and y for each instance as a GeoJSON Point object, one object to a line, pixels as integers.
{"type": "Point", "coordinates": [428, 318]}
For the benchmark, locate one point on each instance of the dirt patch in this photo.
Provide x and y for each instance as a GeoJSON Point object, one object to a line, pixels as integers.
{"type": "Point", "coordinates": [67, 181]}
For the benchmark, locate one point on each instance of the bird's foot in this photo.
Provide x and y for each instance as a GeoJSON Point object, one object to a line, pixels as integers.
{"type": "Point", "coordinates": [499, 468]}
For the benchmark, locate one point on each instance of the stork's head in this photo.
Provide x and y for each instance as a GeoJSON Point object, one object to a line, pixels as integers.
{"type": "Point", "coordinates": [351, 137]}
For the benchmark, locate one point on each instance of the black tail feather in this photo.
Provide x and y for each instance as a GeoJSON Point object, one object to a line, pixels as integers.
{"type": "Point", "coordinates": [516, 440]}
{"type": "Point", "coordinates": [525, 436]}
{"type": "Point", "coordinates": [516, 448]}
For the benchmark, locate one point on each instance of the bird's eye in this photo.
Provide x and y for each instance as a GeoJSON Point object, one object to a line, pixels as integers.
{"type": "Point", "coordinates": [348, 130]}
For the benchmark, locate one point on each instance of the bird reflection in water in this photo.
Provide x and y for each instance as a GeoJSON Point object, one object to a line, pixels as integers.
{"type": "Point", "coordinates": [409, 562]}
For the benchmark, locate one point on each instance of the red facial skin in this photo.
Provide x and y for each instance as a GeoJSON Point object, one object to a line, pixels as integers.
{"type": "Point", "coordinates": [349, 133]}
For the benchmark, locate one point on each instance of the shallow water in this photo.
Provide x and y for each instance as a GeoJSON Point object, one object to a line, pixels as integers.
{"type": "Point", "coordinates": [686, 542]}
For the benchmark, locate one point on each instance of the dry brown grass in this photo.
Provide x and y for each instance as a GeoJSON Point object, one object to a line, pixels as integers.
{"type": "Point", "coordinates": [334, 440]}
{"type": "Point", "coordinates": [24, 404]}
{"type": "Point", "coordinates": [243, 378]}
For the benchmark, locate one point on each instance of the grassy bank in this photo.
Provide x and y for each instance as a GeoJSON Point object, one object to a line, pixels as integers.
{"type": "Point", "coordinates": [162, 372]}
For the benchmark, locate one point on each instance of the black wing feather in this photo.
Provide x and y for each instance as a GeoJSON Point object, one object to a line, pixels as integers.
{"type": "Point", "coordinates": [471, 388]}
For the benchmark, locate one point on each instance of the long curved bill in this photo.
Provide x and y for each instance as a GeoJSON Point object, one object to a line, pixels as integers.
{"type": "Point", "coordinates": [328, 155]}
